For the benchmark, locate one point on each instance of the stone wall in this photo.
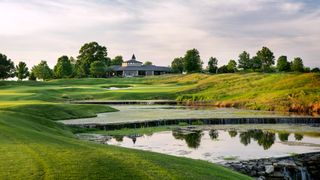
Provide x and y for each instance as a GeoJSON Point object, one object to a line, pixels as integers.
{"type": "Point", "coordinates": [303, 166]}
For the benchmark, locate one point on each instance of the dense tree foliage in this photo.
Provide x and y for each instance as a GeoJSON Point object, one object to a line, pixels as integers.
{"type": "Point", "coordinates": [282, 64]}
{"type": "Point", "coordinates": [266, 57]}
{"type": "Point", "coordinates": [32, 77]}
{"type": "Point", "coordinates": [223, 69]}
{"type": "Point", "coordinates": [232, 66]}
{"type": "Point", "coordinates": [63, 68]}
{"type": "Point", "coordinates": [297, 65]}
{"type": "Point", "coordinates": [118, 60]}
{"type": "Point", "coordinates": [315, 70]}
{"type": "Point", "coordinates": [98, 69]}
{"type": "Point", "coordinates": [93, 62]}
{"type": "Point", "coordinates": [89, 53]}
{"type": "Point", "coordinates": [244, 61]}
{"type": "Point", "coordinates": [192, 61]}
{"type": "Point", "coordinates": [147, 63]}
{"type": "Point", "coordinates": [177, 65]}
{"type": "Point", "coordinates": [6, 67]}
{"type": "Point", "coordinates": [42, 71]}
{"type": "Point", "coordinates": [256, 63]}
{"type": "Point", "coordinates": [213, 65]}
{"type": "Point", "coordinates": [21, 71]}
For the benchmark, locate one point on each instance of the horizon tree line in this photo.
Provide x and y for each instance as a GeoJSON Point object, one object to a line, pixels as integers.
{"type": "Point", "coordinates": [263, 61]}
{"type": "Point", "coordinates": [93, 61]}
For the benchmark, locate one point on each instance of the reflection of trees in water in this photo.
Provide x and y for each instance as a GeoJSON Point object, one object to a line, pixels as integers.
{"type": "Point", "coordinates": [267, 140]}
{"type": "Point", "coordinates": [245, 138]}
{"type": "Point", "coordinates": [233, 133]}
{"type": "Point", "coordinates": [264, 139]}
{"type": "Point", "coordinates": [298, 136]}
{"type": "Point", "coordinates": [192, 138]}
{"type": "Point", "coordinates": [214, 134]}
{"type": "Point", "coordinates": [118, 138]}
{"type": "Point", "coordinates": [283, 136]}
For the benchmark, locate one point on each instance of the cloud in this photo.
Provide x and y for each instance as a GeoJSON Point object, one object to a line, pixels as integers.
{"type": "Point", "coordinates": [160, 30]}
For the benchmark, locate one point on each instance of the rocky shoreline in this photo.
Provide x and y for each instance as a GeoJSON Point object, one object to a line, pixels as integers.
{"type": "Point", "coordinates": [296, 167]}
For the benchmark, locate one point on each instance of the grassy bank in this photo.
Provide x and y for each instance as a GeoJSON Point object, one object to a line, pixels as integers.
{"type": "Point", "coordinates": [281, 92]}
{"type": "Point", "coordinates": [33, 146]}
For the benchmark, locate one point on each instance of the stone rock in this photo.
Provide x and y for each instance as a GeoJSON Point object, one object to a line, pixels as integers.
{"type": "Point", "coordinates": [253, 173]}
{"type": "Point", "coordinates": [269, 169]}
{"type": "Point", "coordinates": [287, 163]}
{"type": "Point", "coordinates": [277, 174]}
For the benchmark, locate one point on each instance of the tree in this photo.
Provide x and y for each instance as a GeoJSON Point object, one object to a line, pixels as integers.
{"type": "Point", "coordinates": [177, 65]}
{"type": "Point", "coordinates": [147, 63]}
{"type": "Point", "coordinates": [42, 71]}
{"type": "Point", "coordinates": [232, 66]}
{"type": "Point", "coordinates": [256, 63]}
{"type": "Point", "coordinates": [32, 77]}
{"type": "Point", "coordinates": [223, 69]}
{"type": "Point", "coordinates": [118, 60]}
{"type": "Point", "coordinates": [192, 61]}
{"type": "Point", "coordinates": [282, 64]}
{"type": "Point", "coordinates": [297, 65]}
{"type": "Point", "coordinates": [244, 61]}
{"type": "Point", "coordinates": [307, 70]}
{"type": "Point", "coordinates": [63, 68]}
{"type": "Point", "coordinates": [73, 62]}
{"type": "Point", "coordinates": [21, 71]}
{"type": "Point", "coordinates": [98, 69]}
{"type": "Point", "coordinates": [89, 53]}
{"type": "Point", "coordinates": [213, 65]}
{"type": "Point", "coordinates": [266, 57]}
{"type": "Point", "coordinates": [315, 70]}
{"type": "Point", "coordinates": [6, 67]}
{"type": "Point", "coordinates": [79, 70]}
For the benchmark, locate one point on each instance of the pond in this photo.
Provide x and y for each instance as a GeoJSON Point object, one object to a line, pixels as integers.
{"type": "Point", "coordinates": [138, 113]}
{"type": "Point", "coordinates": [223, 143]}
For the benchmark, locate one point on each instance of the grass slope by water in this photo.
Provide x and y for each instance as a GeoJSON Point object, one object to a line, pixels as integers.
{"type": "Point", "coordinates": [280, 91]}
{"type": "Point", "coordinates": [32, 146]}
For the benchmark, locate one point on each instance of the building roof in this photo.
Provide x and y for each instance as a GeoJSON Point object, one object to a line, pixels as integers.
{"type": "Point", "coordinates": [140, 68]}
{"type": "Point", "coordinates": [133, 60]}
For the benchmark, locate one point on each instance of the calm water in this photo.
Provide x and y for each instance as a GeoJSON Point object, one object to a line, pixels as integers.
{"type": "Point", "coordinates": [223, 145]}
{"type": "Point", "coordinates": [133, 113]}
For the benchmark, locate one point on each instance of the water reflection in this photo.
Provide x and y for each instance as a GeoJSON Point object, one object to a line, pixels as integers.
{"type": "Point", "coordinates": [264, 138]}
{"type": "Point", "coordinates": [283, 136]}
{"type": "Point", "coordinates": [214, 145]}
{"type": "Point", "coordinates": [298, 137]}
{"type": "Point", "coordinates": [233, 133]}
{"type": "Point", "coordinates": [118, 138]}
{"type": "Point", "coordinates": [214, 134]}
{"type": "Point", "coordinates": [192, 138]}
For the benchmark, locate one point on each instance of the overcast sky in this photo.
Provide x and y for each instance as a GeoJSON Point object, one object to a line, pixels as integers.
{"type": "Point", "coordinates": [158, 31]}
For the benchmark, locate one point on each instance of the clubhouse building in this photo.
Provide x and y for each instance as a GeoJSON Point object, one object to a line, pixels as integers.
{"type": "Point", "coordinates": [132, 68]}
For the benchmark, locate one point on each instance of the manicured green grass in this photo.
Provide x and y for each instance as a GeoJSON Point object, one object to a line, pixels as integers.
{"type": "Point", "coordinates": [32, 146]}
{"type": "Point", "coordinates": [280, 91]}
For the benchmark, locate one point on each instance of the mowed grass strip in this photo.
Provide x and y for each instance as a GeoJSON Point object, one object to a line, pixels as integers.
{"type": "Point", "coordinates": [32, 146]}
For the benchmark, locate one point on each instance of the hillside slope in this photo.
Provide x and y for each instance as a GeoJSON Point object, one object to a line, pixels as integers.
{"type": "Point", "coordinates": [282, 92]}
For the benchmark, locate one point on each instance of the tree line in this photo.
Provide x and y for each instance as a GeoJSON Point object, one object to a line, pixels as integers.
{"type": "Point", "coordinates": [263, 61]}
{"type": "Point", "coordinates": [92, 61]}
